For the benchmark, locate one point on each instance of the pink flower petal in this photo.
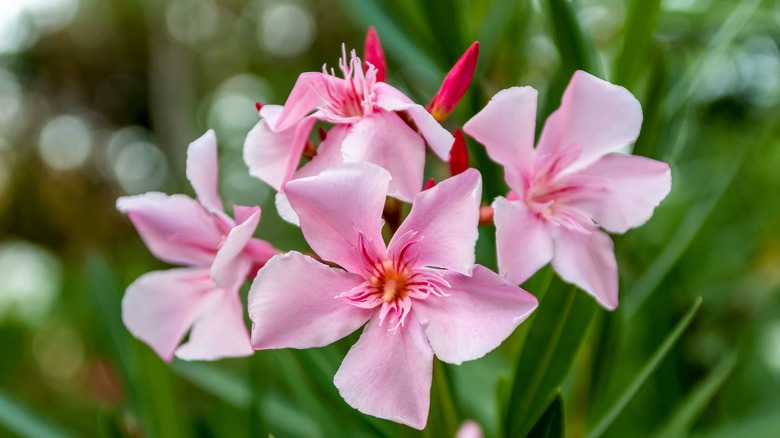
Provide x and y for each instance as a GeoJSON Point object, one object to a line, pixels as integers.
{"type": "Point", "coordinates": [384, 139]}
{"type": "Point", "coordinates": [293, 304]}
{"type": "Point", "coordinates": [439, 139]}
{"type": "Point", "coordinates": [229, 267]}
{"type": "Point", "coordinates": [588, 260]}
{"type": "Point", "coordinates": [220, 331]}
{"type": "Point", "coordinates": [176, 228]}
{"type": "Point", "coordinates": [328, 153]}
{"type": "Point", "coordinates": [595, 115]}
{"type": "Point", "coordinates": [388, 374]}
{"type": "Point", "coordinates": [273, 156]}
{"type": "Point", "coordinates": [202, 170]}
{"type": "Point", "coordinates": [523, 240]}
{"type": "Point", "coordinates": [633, 187]}
{"type": "Point", "coordinates": [506, 127]}
{"type": "Point", "coordinates": [477, 315]}
{"type": "Point", "coordinates": [446, 217]}
{"type": "Point", "coordinates": [160, 307]}
{"type": "Point", "coordinates": [337, 205]}
{"type": "Point", "coordinates": [285, 210]}
{"type": "Point", "coordinates": [309, 93]}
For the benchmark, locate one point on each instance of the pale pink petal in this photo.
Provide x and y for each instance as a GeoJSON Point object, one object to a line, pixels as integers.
{"type": "Point", "coordinates": [202, 170]}
{"type": "Point", "coordinates": [439, 139]}
{"type": "Point", "coordinates": [469, 429]}
{"type": "Point", "coordinates": [220, 332]}
{"type": "Point", "coordinates": [446, 218]}
{"type": "Point", "coordinates": [506, 128]}
{"type": "Point", "coordinates": [384, 139]}
{"type": "Point", "coordinates": [475, 317]}
{"type": "Point", "coordinates": [241, 213]}
{"type": "Point", "coordinates": [293, 304]}
{"type": "Point", "coordinates": [588, 261]}
{"type": "Point", "coordinates": [160, 307]}
{"type": "Point", "coordinates": [229, 267]}
{"type": "Point", "coordinates": [337, 205]}
{"type": "Point", "coordinates": [388, 374]}
{"type": "Point", "coordinates": [176, 228]}
{"type": "Point", "coordinates": [273, 156]}
{"type": "Point", "coordinates": [309, 93]}
{"type": "Point", "coordinates": [285, 210]}
{"type": "Point", "coordinates": [633, 186]}
{"type": "Point", "coordinates": [595, 115]}
{"type": "Point", "coordinates": [524, 243]}
{"type": "Point", "coordinates": [328, 153]}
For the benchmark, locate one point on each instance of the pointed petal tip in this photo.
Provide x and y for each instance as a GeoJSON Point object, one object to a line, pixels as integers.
{"type": "Point", "coordinates": [455, 84]}
{"type": "Point", "coordinates": [375, 55]}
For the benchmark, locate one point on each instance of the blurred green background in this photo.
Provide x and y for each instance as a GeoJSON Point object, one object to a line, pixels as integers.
{"type": "Point", "coordinates": [99, 98]}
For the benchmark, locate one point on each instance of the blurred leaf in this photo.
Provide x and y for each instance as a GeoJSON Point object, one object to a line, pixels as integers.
{"type": "Point", "coordinates": [620, 403]}
{"type": "Point", "coordinates": [493, 26]}
{"type": "Point", "coordinates": [680, 423]}
{"type": "Point", "coordinates": [394, 38]}
{"type": "Point", "coordinates": [552, 424]}
{"type": "Point", "coordinates": [642, 17]}
{"type": "Point", "coordinates": [19, 420]}
{"type": "Point", "coordinates": [706, 63]}
{"type": "Point", "coordinates": [233, 390]}
{"type": "Point", "coordinates": [573, 50]}
{"type": "Point", "coordinates": [558, 330]}
{"type": "Point", "coordinates": [443, 19]}
{"type": "Point", "coordinates": [676, 245]}
{"type": "Point", "coordinates": [146, 378]}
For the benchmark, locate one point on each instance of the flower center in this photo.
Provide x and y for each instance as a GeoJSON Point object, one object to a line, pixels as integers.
{"type": "Point", "coordinates": [390, 283]}
{"type": "Point", "coordinates": [352, 98]}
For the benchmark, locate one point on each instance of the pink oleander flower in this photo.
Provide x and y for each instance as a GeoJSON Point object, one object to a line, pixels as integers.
{"type": "Point", "coordinates": [455, 84]}
{"type": "Point", "coordinates": [369, 126]}
{"type": "Point", "coordinates": [160, 307]}
{"type": "Point", "coordinates": [420, 295]}
{"type": "Point", "coordinates": [571, 183]}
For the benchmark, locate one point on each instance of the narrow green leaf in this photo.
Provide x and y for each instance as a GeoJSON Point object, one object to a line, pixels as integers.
{"type": "Point", "coordinates": [569, 38]}
{"type": "Point", "coordinates": [642, 17]}
{"type": "Point", "coordinates": [644, 286]}
{"type": "Point", "coordinates": [558, 329]}
{"type": "Point", "coordinates": [679, 424]}
{"type": "Point", "coordinates": [620, 403]}
{"type": "Point", "coordinates": [280, 415]}
{"type": "Point", "coordinates": [395, 40]}
{"type": "Point", "coordinates": [21, 421]}
{"type": "Point", "coordinates": [498, 17]}
{"type": "Point", "coordinates": [552, 424]}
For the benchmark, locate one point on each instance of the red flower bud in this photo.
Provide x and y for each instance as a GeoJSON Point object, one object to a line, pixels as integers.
{"type": "Point", "coordinates": [459, 155]}
{"type": "Point", "coordinates": [430, 184]}
{"type": "Point", "coordinates": [455, 84]}
{"type": "Point", "coordinates": [374, 54]}
{"type": "Point", "coordinates": [259, 106]}
{"type": "Point", "coordinates": [322, 133]}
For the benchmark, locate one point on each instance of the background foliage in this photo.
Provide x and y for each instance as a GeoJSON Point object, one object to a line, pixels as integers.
{"type": "Point", "coordinates": [99, 98]}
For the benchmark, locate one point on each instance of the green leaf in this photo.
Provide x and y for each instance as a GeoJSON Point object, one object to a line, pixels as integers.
{"type": "Point", "coordinates": [146, 378]}
{"type": "Point", "coordinates": [621, 402]}
{"type": "Point", "coordinates": [552, 424]}
{"type": "Point", "coordinates": [557, 331]}
{"type": "Point", "coordinates": [642, 17]}
{"type": "Point", "coordinates": [19, 420]}
{"type": "Point", "coordinates": [394, 38]}
{"type": "Point", "coordinates": [679, 424]}
{"type": "Point", "coordinates": [569, 38]}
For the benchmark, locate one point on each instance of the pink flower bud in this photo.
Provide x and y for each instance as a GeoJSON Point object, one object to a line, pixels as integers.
{"type": "Point", "coordinates": [374, 54]}
{"type": "Point", "coordinates": [455, 84]}
{"type": "Point", "coordinates": [459, 156]}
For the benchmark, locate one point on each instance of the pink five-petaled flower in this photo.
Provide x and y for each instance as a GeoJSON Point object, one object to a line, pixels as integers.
{"type": "Point", "coordinates": [421, 294]}
{"type": "Point", "coordinates": [367, 129]}
{"type": "Point", "coordinates": [570, 183]}
{"type": "Point", "coordinates": [160, 307]}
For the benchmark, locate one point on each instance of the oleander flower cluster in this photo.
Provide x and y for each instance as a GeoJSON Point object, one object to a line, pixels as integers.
{"type": "Point", "coordinates": [412, 284]}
